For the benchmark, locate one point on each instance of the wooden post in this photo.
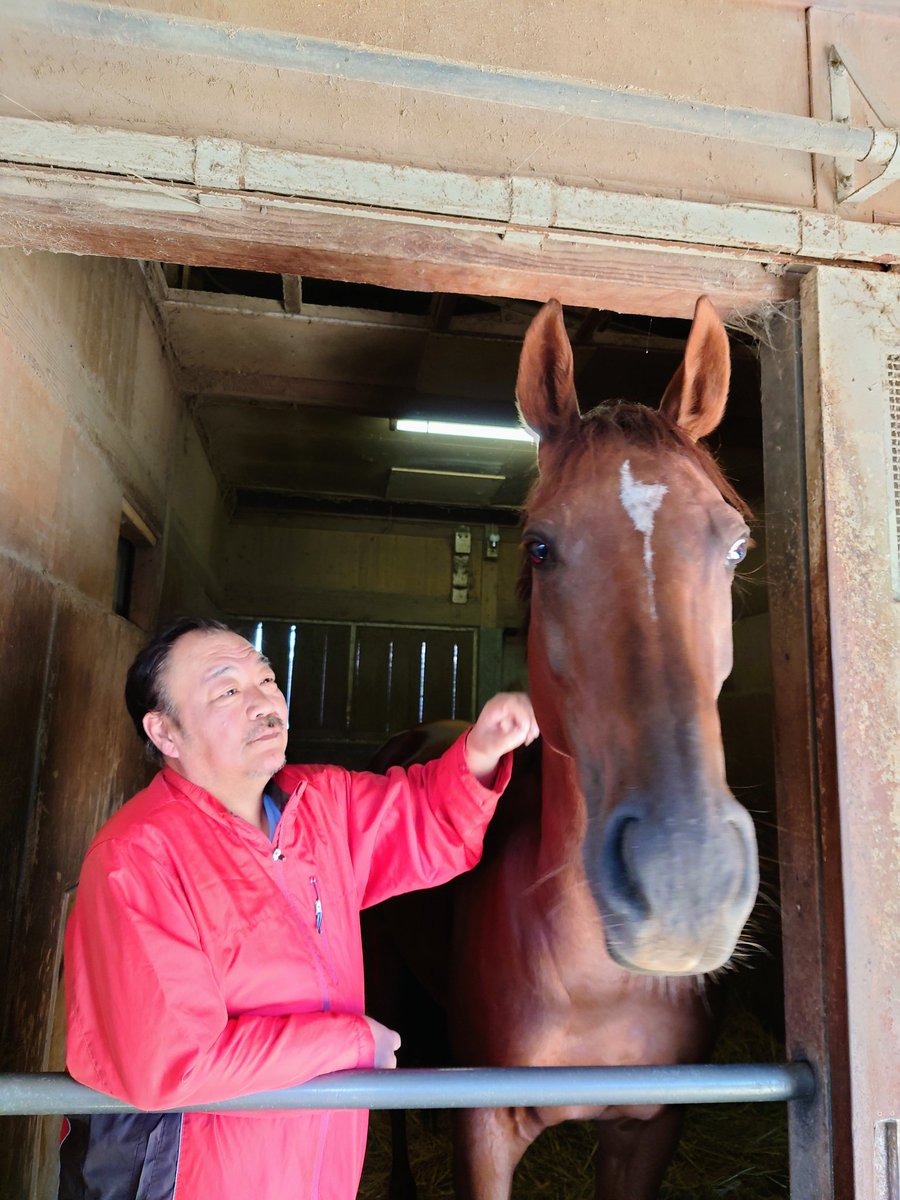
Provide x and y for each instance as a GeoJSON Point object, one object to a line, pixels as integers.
{"type": "Point", "coordinates": [809, 843]}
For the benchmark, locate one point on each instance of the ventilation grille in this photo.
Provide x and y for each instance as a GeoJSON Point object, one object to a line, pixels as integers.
{"type": "Point", "coordinates": [893, 379]}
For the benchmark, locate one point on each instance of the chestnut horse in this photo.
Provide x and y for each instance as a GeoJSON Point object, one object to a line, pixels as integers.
{"type": "Point", "coordinates": [635, 860]}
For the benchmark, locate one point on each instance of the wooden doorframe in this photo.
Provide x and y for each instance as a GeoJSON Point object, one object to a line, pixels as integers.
{"type": "Point", "coordinates": [415, 251]}
{"type": "Point", "coordinates": [815, 985]}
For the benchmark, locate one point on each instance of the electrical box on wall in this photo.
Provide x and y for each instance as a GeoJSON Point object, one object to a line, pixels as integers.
{"type": "Point", "coordinates": [491, 541]}
{"type": "Point", "coordinates": [460, 570]}
{"type": "Point", "coordinates": [459, 576]}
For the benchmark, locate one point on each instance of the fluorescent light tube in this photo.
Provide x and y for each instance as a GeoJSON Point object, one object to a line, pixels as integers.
{"type": "Point", "coordinates": [502, 433]}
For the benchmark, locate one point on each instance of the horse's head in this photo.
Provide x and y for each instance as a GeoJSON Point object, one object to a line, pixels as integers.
{"type": "Point", "coordinates": [633, 536]}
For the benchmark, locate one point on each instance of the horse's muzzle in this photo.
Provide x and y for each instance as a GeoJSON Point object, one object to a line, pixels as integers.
{"type": "Point", "coordinates": [674, 890]}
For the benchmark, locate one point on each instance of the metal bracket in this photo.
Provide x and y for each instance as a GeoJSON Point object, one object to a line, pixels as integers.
{"type": "Point", "coordinates": [839, 81]}
{"type": "Point", "coordinates": [887, 1159]}
{"type": "Point", "coordinates": [885, 147]}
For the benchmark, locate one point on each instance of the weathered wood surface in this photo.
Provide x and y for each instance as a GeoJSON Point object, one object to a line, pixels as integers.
{"type": "Point", "coordinates": [809, 850]}
{"type": "Point", "coordinates": [227, 170]}
{"type": "Point", "coordinates": [172, 223]}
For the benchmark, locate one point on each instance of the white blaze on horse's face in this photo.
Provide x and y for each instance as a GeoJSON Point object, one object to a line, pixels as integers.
{"type": "Point", "coordinates": [641, 501]}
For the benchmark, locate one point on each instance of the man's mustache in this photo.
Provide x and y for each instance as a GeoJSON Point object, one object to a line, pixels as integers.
{"type": "Point", "coordinates": [261, 727]}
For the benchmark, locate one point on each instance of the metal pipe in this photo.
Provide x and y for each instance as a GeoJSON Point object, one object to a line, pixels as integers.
{"type": "Point", "coordinates": [337, 60]}
{"type": "Point", "coordinates": [497, 1087]}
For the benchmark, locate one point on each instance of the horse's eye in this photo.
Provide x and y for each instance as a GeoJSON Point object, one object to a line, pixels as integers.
{"type": "Point", "coordinates": [738, 552]}
{"type": "Point", "coordinates": [538, 552]}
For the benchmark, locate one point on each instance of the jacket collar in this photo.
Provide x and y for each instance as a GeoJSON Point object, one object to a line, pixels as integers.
{"type": "Point", "coordinates": [215, 808]}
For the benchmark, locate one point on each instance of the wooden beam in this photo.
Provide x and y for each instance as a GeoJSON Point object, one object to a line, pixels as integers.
{"type": "Point", "coordinates": [370, 400]}
{"type": "Point", "coordinates": [441, 313]}
{"type": "Point", "coordinates": [594, 322]}
{"type": "Point", "coordinates": [135, 527]}
{"type": "Point", "coordinates": [229, 169]}
{"type": "Point", "coordinates": [83, 214]}
{"type": "Point", "coordinates": [292, 293]}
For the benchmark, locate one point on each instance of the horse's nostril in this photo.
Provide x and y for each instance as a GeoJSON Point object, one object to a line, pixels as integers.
{"type": "Point", "coordinates": [620, 885]}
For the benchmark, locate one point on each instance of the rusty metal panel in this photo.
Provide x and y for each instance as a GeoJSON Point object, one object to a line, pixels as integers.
{"type": "Point", "coordinates": [855, 321]}
{"type": "Point", "coordinates": [812, 922]}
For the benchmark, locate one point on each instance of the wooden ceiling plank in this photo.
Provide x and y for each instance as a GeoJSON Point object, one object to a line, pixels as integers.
{"type": "Point", "coordinates": [292, 293]}
{"type": "Point", "coordinates": [371, 400]}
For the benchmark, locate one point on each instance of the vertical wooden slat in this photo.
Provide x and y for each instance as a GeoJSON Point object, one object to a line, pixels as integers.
{"type": "Point", "coordinates": [275, 637]}
{"type": "Point", "coordinates": [405, 679]}
{"type": "Point", "coordinates": [319, 690]}
{"type": "Point", "coordinates": [438, 675]}
{"type": "Point", "coordinates": [368, 708]}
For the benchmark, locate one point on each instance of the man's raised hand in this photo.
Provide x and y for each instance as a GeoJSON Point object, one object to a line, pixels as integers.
{"type": "Point", "coordinates": [505, 722]}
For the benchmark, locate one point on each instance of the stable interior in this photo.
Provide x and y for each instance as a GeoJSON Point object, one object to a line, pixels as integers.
{"type": "Point", "coordinates": [199, 439]}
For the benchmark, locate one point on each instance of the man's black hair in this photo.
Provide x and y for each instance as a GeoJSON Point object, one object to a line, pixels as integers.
{"type": "Point", "coordinates": [144, 685]}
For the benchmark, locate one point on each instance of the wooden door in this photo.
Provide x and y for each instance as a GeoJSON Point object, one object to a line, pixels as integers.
{"type": "Point", "coordinates": [851, 372]}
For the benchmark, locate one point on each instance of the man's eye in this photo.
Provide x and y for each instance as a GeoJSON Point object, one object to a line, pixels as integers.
{"type": "Point", "coordinates": [230, 692]}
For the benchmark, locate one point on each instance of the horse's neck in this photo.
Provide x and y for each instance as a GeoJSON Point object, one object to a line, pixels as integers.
{"type": "Point", "coordinates": [563, 814]}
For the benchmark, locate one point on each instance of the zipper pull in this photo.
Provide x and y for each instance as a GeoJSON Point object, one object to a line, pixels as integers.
{"type": "Point", "coordinates": [318, 909]}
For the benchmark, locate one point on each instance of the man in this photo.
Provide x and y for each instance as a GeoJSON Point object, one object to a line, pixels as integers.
{"type": "Point", "coordinates": [214, 947]}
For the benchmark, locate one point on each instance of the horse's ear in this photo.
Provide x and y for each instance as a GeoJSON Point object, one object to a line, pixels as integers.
{"type": "Point", "coordinates": [545, 388]}
{"type": "Point", "coordinates": [695, 398]}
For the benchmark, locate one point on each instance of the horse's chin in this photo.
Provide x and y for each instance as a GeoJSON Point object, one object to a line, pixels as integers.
{"type": "Point", "coordinates": [666, 960]}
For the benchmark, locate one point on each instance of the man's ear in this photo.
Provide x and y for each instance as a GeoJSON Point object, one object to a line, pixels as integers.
{"type": "Point", "coordinates": [157, 726]}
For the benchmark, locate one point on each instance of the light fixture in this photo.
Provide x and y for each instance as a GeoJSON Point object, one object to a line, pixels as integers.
{"type": "Point", "coordinates": [502, 433]}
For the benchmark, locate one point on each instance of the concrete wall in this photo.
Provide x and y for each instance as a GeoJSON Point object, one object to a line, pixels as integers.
{"type": "Point", "coordinates": [89, 418]}
{"type": "Point", "coordinates": [753, 53]}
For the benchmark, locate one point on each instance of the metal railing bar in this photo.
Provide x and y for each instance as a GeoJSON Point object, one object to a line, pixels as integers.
{"type": "Point", "coordinates": [553, 94]}
{"type": "Point", "coordinates": [49, 1093]}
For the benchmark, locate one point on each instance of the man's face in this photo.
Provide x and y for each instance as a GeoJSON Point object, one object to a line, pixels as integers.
{"type": "Point", "coordinates": [229, 725]}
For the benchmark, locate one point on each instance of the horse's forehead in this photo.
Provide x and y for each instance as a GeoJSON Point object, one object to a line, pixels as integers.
{"type": "Point", "coordinates": [635, 479]}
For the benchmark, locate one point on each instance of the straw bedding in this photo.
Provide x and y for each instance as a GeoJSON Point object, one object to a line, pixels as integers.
{"type": "Point", "coordinates": [736, 1151]}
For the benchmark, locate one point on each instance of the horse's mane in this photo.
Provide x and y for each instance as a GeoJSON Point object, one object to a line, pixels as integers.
{"type": "Point", "coordinates": [639, 425]}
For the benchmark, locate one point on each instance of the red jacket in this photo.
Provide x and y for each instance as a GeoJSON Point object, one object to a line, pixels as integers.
{"type": "Point", "coordinates": [195, 970]}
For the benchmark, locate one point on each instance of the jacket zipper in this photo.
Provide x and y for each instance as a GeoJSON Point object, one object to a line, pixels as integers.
{"type": "Point", "coordinates": [322, 968]}
{"type": "Point", "coordinates": [322, 971]}
{"type": "Point", "coordinates": [320, 929]}
{"type": "Point", "coordinates": [320, 916]}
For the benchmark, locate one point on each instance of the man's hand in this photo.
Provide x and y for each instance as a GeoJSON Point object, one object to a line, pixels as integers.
{"type": "Point", "coordinates": [505, 722]}
{"type": "Point", "coordinates": [387, 1043]}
